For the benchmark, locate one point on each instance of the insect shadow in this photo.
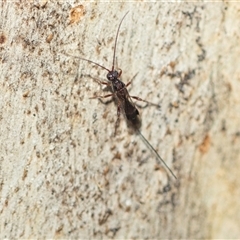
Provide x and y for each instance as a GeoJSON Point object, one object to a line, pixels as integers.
{"type": "Point", "coordinates": [123, 99]}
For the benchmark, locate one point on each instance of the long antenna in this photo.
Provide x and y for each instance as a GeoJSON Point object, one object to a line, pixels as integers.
{"type": "Point", "coordinates": [87, 61]}
{"type": "Point", "coordinates": [115, 45]}
{"type": "Point", "coordinates": [151, 147]}
{"type": "Point", "coordinates": [114, 52]}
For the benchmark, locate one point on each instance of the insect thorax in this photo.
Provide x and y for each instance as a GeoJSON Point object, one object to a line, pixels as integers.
{"type": "Point", "coordinates": [117, 85]}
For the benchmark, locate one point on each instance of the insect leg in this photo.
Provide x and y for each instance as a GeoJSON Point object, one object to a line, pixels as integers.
{"type": "Point", "coordinates": [130, 82]}
{"type": "Point", "coordinates": [109, 95]}
{"type": "Point", "coordinates": [118, 118]}
{"type": "Point", "coordinates": [140, 99]}
{"type": "Point", "coordinates": [102, 82]}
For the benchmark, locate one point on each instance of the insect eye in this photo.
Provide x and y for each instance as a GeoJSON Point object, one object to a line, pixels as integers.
{"type": "Point", "coordinates": [109, 76]}
{"type": "Point", "coordinates": [115, 74]}
{"type": "Point", "coordinates": [112, 75]}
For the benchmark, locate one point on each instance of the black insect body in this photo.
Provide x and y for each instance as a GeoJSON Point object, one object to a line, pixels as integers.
{"type": "Point", "coordinates": [123, 99]}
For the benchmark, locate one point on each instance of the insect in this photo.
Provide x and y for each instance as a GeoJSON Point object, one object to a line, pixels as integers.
{"type": "Point", "coordinates": [122, 97]}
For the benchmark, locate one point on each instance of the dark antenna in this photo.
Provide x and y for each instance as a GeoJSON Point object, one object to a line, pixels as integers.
{"type": "Point", "coordinates": [87, 61]}
{"type": "Point", "coordinates": [114, 52]}
{"type": "Point", "coordinates": [115, 45]}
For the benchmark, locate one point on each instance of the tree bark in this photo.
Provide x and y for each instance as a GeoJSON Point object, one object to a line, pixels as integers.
{"type": "Point", "coordinates": [63, 173]}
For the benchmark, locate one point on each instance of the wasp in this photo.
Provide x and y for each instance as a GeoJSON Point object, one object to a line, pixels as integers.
{"type": "Point", "coordinates": [124, 101]}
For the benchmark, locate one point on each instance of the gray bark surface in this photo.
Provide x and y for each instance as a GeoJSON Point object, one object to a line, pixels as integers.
{"type": "Point", "coordinates": [62, 172]}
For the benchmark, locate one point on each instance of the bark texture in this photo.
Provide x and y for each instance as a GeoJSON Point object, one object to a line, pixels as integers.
{"type": "Point", "coordinates": [62, 172]}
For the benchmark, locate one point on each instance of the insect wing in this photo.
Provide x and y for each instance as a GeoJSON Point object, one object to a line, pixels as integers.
{"type": "Point", "coordinates": [128, 107]}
